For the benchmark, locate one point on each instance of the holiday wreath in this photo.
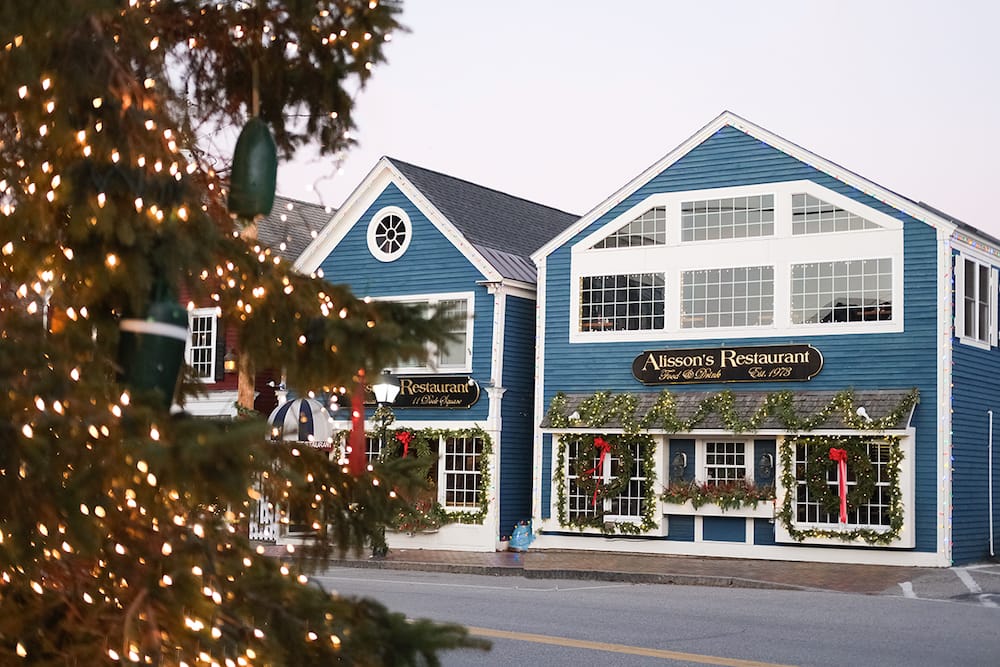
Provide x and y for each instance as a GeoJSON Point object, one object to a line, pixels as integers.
{"type": "Point", "coordinates": [592, 482]}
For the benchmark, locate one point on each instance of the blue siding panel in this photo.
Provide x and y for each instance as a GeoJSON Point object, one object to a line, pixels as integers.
{"type": "Point", "coordinates": [680, 528]}
{"type": "Point", "coordinates": [866, 361]}
{"type": "Point", "coordinates": [723, 529]}
{"type": "Point", "coordinates": [516, 412]}
{"type": "Point", "coordinates": [976, 392]}
{"type": "Point", "coordinates": [763, 532]}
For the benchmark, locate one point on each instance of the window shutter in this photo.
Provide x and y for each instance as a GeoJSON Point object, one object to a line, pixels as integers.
{"type": "Point", "coordinates": [993, 305]}
{"type": "Point", "coordinates": [220, 350]}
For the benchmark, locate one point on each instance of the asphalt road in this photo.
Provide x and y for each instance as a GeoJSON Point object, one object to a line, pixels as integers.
{"type": "Point", "coordinates": [559, 622]}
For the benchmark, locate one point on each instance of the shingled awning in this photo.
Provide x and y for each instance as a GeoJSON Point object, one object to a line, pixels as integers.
{"type": "Point", "coordinates": [878, 404]}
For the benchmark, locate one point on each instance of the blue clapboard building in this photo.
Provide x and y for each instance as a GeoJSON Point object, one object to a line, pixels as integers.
{"type": "Point", "coordinates": [750, 351]}
{"type": "Point", "coordinates": [413, 235]}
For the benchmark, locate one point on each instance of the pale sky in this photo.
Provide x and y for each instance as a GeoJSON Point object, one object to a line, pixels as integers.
{"type": "Point", "coordinates": [563, 102]}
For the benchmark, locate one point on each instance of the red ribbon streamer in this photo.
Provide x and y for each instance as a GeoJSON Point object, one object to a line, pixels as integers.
{"type": "Point", "coordinates": [840, 456]}
{"type": "Point", "coordinates": [405, 437]}
{"type": "Point", "coordinates": [356, 460]}
{"type": "Point", "coordinates": [604, 447]}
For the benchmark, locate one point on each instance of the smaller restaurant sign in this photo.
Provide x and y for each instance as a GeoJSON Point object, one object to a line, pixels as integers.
{"type": "Point", "coordinates": [434, 391]}
{"type": "Point", "coordinates": [759, 363]}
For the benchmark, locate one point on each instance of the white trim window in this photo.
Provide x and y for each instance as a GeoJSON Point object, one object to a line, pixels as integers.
{"type": "Point", "coordinates": [389, 234]}
{"type": "Point", "coordinates": [454, 355]}
{"type": "Point", "coordinates": [625, 302]}
{"type": "Point", "coordinates": [812, 215]}
{"type": "Point", "coordinates": [461, 478]}
{"type": "Point", "coordinates": [650, 228]}
{"type": "Point", "coordinates": [976, 301]}
{"type": "Point", "coordinates": [727, 461]}
{"type": "Point", "coordinates": [874, 513]}
{"type": "Point", "coordinates": [627, 505]}
{"type": "Point", "coordinates": [727, 218]}
{"type": "Point", "coordinates": [202, 345]}
{"type": "Point", "coordinates": [737, 296]}
{"type": "Point", "coordinates": [856, 290]}
{"type": "Point", "coordinates": [801, 237]}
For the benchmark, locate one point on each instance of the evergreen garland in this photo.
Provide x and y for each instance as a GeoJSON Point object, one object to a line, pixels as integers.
{"type": "Point", "coordinates": [872, 536]}
{"type": "Point", "coordinates": [424, 444]}
{"type": "Point", "coordinates": [604, 407]}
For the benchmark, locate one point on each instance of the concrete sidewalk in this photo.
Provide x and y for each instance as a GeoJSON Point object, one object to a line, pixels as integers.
{"type": "Point", "coordinates": [638, 568]}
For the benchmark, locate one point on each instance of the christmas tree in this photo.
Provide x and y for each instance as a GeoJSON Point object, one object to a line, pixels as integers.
{"type": "Point", "coordinates": [120, 522]}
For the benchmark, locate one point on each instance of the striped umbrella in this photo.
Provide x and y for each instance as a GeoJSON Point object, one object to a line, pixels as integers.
{"type": "Point", "coordinates": [302, 420]}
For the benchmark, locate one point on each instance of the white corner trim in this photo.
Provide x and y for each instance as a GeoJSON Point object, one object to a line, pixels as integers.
{"type": "Point", "coordinates": [539, 409]}
{"type": "Point", "coordinates": [944, 356]}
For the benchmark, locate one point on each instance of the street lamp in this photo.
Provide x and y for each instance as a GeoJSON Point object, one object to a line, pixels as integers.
{"type": "Point", "coordinates": [385, 389]}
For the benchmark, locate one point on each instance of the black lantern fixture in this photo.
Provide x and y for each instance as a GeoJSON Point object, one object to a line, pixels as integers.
{"type": "Point", "coordinates": [386, 389]}
{"type": "Point", "coordinates": [229, 362]}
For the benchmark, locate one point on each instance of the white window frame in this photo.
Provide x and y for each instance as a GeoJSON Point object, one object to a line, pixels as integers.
{"type": "Point", "coordinates": [701, 455]}
{"type": "Point", "coordinates": [430, 300]}
{"type": "Point", "coordinates": [780, 250]}
{"type": "Point", "coordinates": [906, 539]}
{"type": "Point", "coordinates": [373, 224]}
{"type": "Point", "coordinates": [444, 471]}
{"type": "Point", "coordinates": [961, 262]}
{"type": "Point", "coordinates": [212, 314]}
{"type": "Point", "coordinates": [606, 478]}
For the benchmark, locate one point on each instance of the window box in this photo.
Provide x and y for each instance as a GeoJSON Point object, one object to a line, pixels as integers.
{"type": "Point", "coordinates": [763, 509]}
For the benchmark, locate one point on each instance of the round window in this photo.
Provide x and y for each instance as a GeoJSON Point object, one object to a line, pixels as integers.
{"type": "Point", "coordinates": [389, 234]}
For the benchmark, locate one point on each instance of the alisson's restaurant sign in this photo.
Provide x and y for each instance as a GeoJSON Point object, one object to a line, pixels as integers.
{"type": "Point", "coordinates": [764, 363]}
{"type": "Point", "coordinates": [435, 391]}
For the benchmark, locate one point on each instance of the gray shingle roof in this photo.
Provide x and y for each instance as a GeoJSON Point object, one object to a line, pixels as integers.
{"type": "Point", "coordinates": [503, 228]}
{"type": "Point", "coordinates": [878, 403]}
{"type": "Point", "coordinates": [291, 226]}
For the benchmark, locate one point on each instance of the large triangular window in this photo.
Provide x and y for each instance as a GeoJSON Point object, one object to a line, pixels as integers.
{"type": "Point", "coordinates": [650, 228]}
{"type": "Point", "coordinates": [812, 215]}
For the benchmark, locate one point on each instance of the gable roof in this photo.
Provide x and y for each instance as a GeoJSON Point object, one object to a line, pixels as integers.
{"type": "Point", "coordinates": [291, 226]}
{"type": "Point", "coordinates": [505, 229]}
{"type": "Point", "coordinates": [726, 118]}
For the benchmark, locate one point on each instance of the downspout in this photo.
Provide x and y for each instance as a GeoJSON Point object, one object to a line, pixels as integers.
{"type": "Point", "coordinates": [989, 449]}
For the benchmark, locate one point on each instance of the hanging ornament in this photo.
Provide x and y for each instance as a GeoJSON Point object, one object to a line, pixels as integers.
{"type": "Point", "coordinates": [255, 171]}
{"type": "Point", "coordinates": [151, 349]}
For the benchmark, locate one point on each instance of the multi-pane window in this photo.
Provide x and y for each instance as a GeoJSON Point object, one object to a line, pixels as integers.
{"type": "Point", "coordinates": [453, 354]}
{"type": "Point", "coordinates": [731, 297]}
{"type": "Point", "coordinates": [727, 218]}
{"type": "Point", "coordinates": [725, 461]}
{"type": "Point", "coordinates": [461, 471]}
{"type": "Point", "coordinates": [373, 448]}
{"type": "Point", "coordinates": [203, 325]}
{"type": "Point", "coordinates": [858, 290]}
{"type": "Point", "coordinates": [873, 511]}
{"type": "Point", "coordinates": [628, 302]}
{"type": "Point", "coordinates": [812, 215]}
{"type": "Point", "coordinates": [650, 228]}
{"type": "Point", "coordinates": [630, 502]}
{"type": "Point", "coordinates": [389, 234]}
{"type": "Point", "coordinates": [977, 300]}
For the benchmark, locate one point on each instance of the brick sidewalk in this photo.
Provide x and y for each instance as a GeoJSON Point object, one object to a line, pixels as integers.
{"type": "Point", "coordinates": [641, 568]}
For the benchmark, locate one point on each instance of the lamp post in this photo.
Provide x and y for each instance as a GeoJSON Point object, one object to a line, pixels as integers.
{"type": "Point", "coordinates": [385, 389]}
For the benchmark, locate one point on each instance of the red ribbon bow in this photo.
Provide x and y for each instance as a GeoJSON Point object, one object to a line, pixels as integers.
{"type": "Point", "coordinates": [604, 447]}
{"type": "Point", "coordinates": [405, 437]}
{"type": "Point", "coordinates": [840, 456]}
